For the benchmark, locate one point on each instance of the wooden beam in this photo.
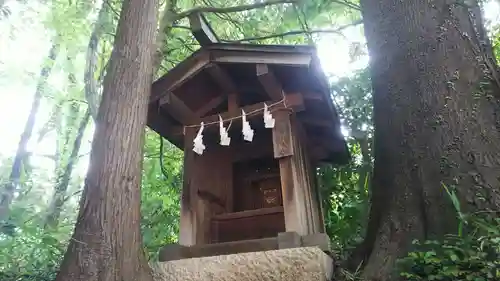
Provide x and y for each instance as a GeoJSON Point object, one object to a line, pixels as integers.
{"type": "Point", "coordinates": [292, 101]}
{"type": "Point", "coordinates": [212, 198]}
{"type": "Point", "coordinates": [163, 126]}
{"type": "Point", "coordinates": [222, 79]}
{"type": "Point", "coordinates": [300, 213]}
{"type": "Point", "coordinates": [313, 96]}
{"type": "Point", "coordinates": [227, 85]}
{"type": "Point", "coordinates": [213, 103]}
{"type": "Point", "coordinates": [268, 80]}
{"type": "Point", "coordinates": [179, 74]}
{"type": "Point", "coordinates": [177, 109]}
{"type": "Point", "coordinates": [202, 30]}
{"type": "Point", "coordinates": [292, 59]}
{"type": "Point", "coordinates": [188, 216]}
{"type": "Point", "coordinates": [233, 103]}
{"type": "Point", "coordinates": [282, 135]}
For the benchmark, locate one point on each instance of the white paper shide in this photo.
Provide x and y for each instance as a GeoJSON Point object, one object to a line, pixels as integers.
{"type": "Point", "coordinates": [198, 146]}
{"type": "Point", "coordinates": [268, 118]}
{"type": "Point", "coordinates": [247, 130]}
{"type": "Point", "coordinates": [224, 136]}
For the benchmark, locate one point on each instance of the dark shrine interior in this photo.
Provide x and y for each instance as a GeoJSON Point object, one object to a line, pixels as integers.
{"type": "Point", "coordinates": [237, 189]}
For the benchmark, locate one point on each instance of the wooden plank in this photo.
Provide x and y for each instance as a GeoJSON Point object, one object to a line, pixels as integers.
{"type": "Point", "coordinates": [202, 30]}
{"type": "Point", "coordinates": [252, 227]}
{"type": "Point", "coordinates": [282, 134]}
{"type": "Point", "coordinates": [176, 252]}
{"type": "Point", "coordinates": [208, 176]}
{"type": "Point", "coordinates": [292, 59]}
{"type": "Point", "coordinates": [163, 126]}
{"type": "Point", "coordinates": [298, 202]}
{"type": "Point", "coordinates": [212, 198]}
{"type": "Point", "coordinates": [287, 240]}
{"type": "Point", "coordinates": [233, 104]}
{"type": "Point", "coordinates": [188, 221]}
{"type": "Point", "coordinates": [249, 213]}
{"type": "Point", "coordinates": [207, 107]}
{"type": "Point", "coordinates": [293, 218]}
{"type": "Point", "coordinates": [222, 79]}
{"type": "Point", "coordinates": [313, 96]}
{"type": "Point", "coordinates": [245, 151]}
{"type": "Point", "coordinates": [179, 74]}
{"type": "Point", "coordinates": [177, 109]}
{"type": "Point", "coordinates": [288, 49]}
{"type": "Point", "coordinates": [319, 200]}
{"type": "Point", "coordinates": [310, 194]}
{"type": "Point", "coordinates": [292, 101]}
{"type": "Point", "coordinates": [268, 80]}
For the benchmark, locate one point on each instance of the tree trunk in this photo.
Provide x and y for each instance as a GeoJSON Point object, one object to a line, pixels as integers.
{"type": "Point", "coordinates": [166, 21]}
{"type": "Point", "coordinates": [106, 243]}
{"type": "Point", "coordinates": [91, 83]}
{"type": "Point", "coordinates": [64, 177]}
{"type": "Point", "coordinates": [8, 190]}
{"type": "Point", "coordinates": [436, 122]}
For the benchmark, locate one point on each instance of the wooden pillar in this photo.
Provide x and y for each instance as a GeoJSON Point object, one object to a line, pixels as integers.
{"type": "Point", "coordinates": [187, 227]}
{"type": "Point", "coordinates": [300, 210]}
{"type": "Point", "coordinates": [207, 180]}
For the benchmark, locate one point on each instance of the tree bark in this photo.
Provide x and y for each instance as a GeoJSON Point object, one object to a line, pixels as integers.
{"type": "Point", "coordinates": [8, 190]}
{"type": "Point", "coordinates": [166, 21]}
{"type": "Point", "coordinates": [106, 243]}
{"type": "Point", "coordinates": [91, 83]}
{"type": "Point", "coordinates": [436, 122]}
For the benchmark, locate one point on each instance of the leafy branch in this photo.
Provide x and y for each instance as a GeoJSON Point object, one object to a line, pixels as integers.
{"type": "Point", "coordinates": [348, 4]}
{"type": "Point", "coordinates": [232, 9]}
{"type": "Point", "coordinates": [296, 32]}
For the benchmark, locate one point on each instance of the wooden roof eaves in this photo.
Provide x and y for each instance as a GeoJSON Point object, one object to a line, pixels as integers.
{"type": "Point", "coordinates": [227, 53]}
{"type": "Point", "coordinates": [341, 157]}
{"type": "Point", "coordinates": [263, 48]}
{"type": "Point", "coordinates": [179, 74]}
{"type": "Point", "coordinates": [305, 56]}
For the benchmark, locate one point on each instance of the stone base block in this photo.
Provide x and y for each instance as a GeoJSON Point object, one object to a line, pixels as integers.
{"type": "Point", "coordinates": [294, 264]}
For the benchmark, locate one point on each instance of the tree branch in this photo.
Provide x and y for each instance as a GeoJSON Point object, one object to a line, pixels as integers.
{"type": "Point", "coordinates": [295, 32]}
{"type": "Point", "coordinates": [181, 27]}
{"type": "Point", "coordinates": [348, 4]}
{"type": "Point", "coordinates": [233, 9]}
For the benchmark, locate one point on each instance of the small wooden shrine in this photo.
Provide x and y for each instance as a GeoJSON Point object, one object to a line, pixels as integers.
{"type": "Point", "coordinates": [256, 189]}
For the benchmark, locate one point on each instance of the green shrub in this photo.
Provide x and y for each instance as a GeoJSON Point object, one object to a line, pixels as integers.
{"type": "Point", "coordinates": [454, 259]}
{"type": "Point", "coordinates": [472, 255]}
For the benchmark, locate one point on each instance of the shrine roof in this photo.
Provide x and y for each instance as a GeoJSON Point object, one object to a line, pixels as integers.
{"type": "Point", "coordinates": [201, 87]}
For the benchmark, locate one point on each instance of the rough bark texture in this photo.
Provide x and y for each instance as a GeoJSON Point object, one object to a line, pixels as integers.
{"type": "Point", "coordinates": [106, 244]}
{"type": "Point", "coordinates": [8, 190]}
{"type": "Point", "coordinates": [436, 121]}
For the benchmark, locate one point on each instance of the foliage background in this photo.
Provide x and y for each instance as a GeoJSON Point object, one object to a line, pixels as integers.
{"type": "Point", "coordinates": [31, 248]}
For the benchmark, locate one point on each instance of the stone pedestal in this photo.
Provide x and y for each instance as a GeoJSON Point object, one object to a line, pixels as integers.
{"type": "Point", "coordinates": [294, 264]}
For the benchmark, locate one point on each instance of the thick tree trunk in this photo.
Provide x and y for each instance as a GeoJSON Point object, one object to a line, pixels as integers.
{"type": "Point", "coordinates": [436, 121]}
{"type": "Point", "coordinates": [64, 176]}
{"type": "Point", "coordinates": [8, 190]}
{"type": "Point", "coordinates": [106, 244]}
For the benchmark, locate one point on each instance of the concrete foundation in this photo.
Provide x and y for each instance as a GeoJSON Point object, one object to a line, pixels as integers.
{"type": "Point", "coordinates": [294, 264]}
